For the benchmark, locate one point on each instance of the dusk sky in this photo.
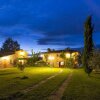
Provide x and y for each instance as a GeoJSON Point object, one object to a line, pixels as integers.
{"type": "Point", "coordinates": [41, 24]}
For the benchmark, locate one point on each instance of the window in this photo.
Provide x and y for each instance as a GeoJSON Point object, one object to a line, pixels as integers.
{"type": "Point", "coordinates": [62, 63]}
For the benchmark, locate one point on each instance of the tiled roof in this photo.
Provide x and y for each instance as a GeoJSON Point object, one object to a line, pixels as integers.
{"type": "Point", "coordinates": [59, 51]}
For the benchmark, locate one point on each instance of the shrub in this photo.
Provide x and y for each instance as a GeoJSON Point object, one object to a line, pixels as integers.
{"type": "Point", "coordinates": [70, 63]}
{"type": "Point", "coordinates": [41, 63]}
{"type": "Point", "coordinates": [94, 61]}
{"type": "Point", "coordinates": [21, 67]}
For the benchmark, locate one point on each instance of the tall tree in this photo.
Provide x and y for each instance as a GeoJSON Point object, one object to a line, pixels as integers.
{"type": "Point", "coordinates": [10, 45]}
{"type": "Point", "coordinates": [88, 43]}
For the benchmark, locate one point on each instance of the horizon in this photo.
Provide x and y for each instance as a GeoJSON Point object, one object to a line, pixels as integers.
{"type": "Point", "coordinates": [39, 25]}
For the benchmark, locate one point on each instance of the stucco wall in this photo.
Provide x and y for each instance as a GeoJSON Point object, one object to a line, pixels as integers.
{"type": "Point", "coordinates": [8, 61]}
{"type": "Point", "coordinates": [56, 60]}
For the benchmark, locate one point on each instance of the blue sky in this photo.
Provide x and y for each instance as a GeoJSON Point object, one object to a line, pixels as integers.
{"type": "Point", "coordinates": [39, 24]}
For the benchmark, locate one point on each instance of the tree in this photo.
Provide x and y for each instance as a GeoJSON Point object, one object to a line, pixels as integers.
{"type": "Point", "coordinates": [67, 49]}
{"type": "Point", "coordinates": [33, 59]}
{"type": "Point", "coordinates": [10, 45]}
{"type": "Point", "coordinates": [62, 55]}
{"type": "Point", "coordinates": [49, 50]}
{"type": "Point", "coordinates": [88, 44]}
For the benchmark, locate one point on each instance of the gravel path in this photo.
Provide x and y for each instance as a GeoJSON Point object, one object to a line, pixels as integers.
{"type": "Point", "coordinates": [57, 95]}
{"type": "Point", "coordinates": [43, 81]}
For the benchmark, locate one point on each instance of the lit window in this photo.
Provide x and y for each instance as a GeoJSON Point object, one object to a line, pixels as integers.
{"type": "Point", "coordinates": [61, 63]}
{"type": "Point", "coordinates": [68, 55]}
{"type": "Point", "coordinates": [51, 58]}
{"type": "Point", "coordinates": [22, 53]}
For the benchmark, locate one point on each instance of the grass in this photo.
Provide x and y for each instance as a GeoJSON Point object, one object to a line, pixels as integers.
{"type": "Point", "coordinates": [45, 90]}
{"type": "Point", "coordinates": [10, 81]}
{"type": "Point", "coordinates": [83, 87]}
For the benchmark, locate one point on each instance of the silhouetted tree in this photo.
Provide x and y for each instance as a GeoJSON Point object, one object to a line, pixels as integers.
{"type": "Point", "coordinates": [53, 50]}
{"type": "Point", "coordinates": [88, 44]}
{"type": "Point", "coordinates": [49, 50]}
{"type": "Point", "coordinates": [67, 49]}
{"type": "Point", "coordinates": [10, 45]}
{"type": "Point", "coordinates": [33, 59]}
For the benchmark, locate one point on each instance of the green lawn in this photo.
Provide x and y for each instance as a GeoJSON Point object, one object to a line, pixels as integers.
{"type": "Point", "coordinates": [11, 83]}
{"type": "Point", "coordinates": [83, 87]}
{"type": "Point", "coordinates": [44, 90]}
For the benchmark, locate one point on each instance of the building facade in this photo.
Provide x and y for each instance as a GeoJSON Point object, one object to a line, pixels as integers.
{"type": "Point", "coordinates": [11, 58]}
{"type": "Point", "coordinates": [59, 58]}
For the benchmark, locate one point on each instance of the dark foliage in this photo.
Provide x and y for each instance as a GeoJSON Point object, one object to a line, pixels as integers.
{"type": "Point", "coordinates": [88, 44]}
{"type": "Point", "coordinates": [33, 59]}
{"type": "Point", "coordinates": [10, 45]}
{"type": "Point", "coordinates": [21, 67]}
{"type": "Point", "coordinates": [49, 50]}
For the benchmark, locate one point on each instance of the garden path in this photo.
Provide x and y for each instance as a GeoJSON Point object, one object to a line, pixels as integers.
{"type": "Point", "coordinates": [57, 95]}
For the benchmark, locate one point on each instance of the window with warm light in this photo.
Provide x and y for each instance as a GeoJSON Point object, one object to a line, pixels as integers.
{"type": "Point", "coordinates": [68, 55]}
{"type": "Point", "coordinates": [51, 58]}
{"type": "Point", "coordinates": [62, 63]}
{"type": "Point", "coordinates": [22, 53]}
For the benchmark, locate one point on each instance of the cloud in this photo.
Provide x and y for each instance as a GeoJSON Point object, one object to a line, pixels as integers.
{"type": "Point", "coordinates": [48, 22]}
{"type": "Point", "coordinates": [61, 41]}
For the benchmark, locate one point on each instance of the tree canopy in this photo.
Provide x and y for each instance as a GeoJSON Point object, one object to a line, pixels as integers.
{"type": "Point", "coordinates": [10, 45]}
{"type": "Point", "coordinates": [88, 43]}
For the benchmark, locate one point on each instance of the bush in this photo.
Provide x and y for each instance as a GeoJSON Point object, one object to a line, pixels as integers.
{"type": "Point", "coordinates": [31, 61]}
{"type": "Point", "coordinates": [21, 67]}
{"type": "Point", "coordinates": [70, 63]}
{"type": "Point", "coordinates": [41, 63]}
{"type": "Point", "coordinates": [94, 61]}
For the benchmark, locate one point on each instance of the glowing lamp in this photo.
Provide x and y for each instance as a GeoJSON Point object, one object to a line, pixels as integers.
{"type": "Point", "coordinates": [50, 58]}
{"type": "Point", "coordinates": [68, 55]}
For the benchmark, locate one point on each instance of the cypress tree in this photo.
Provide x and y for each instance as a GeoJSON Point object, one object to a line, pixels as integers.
{"type": "Point", "coordinates": [88, 44]}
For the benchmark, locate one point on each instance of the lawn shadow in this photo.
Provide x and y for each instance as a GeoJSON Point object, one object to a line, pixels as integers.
{"type": "Point", "coordinates": [9, 73]}
{"type": "Point", "coordinates": [22, 78]}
